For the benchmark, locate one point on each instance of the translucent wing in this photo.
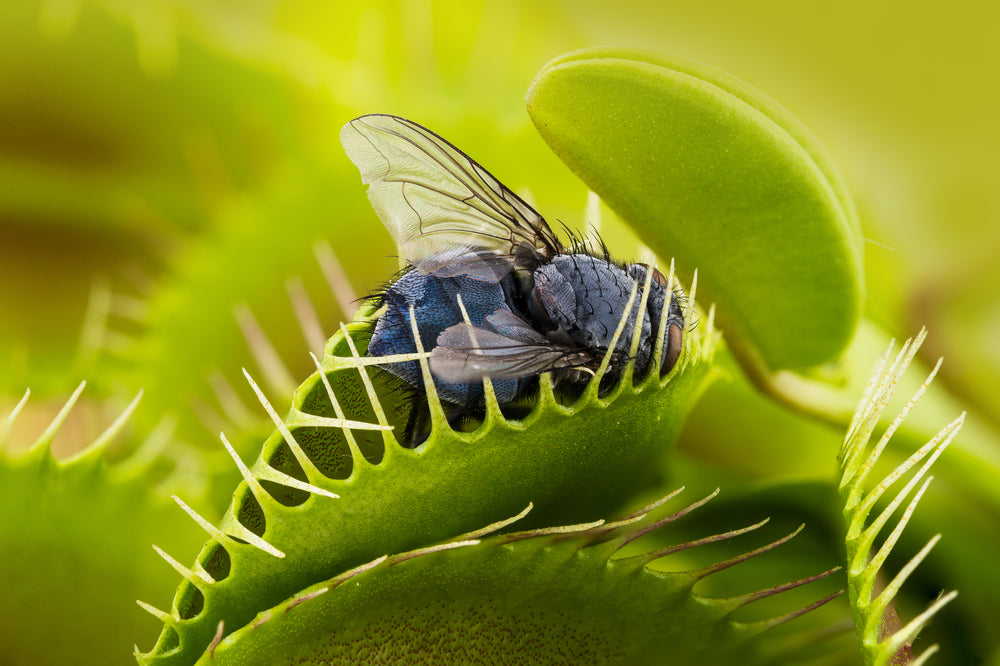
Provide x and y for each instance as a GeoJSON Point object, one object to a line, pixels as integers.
{"type": "Point", "coordinates": [514, 349]}
{"type": "Point", "coordinates": [447, 214]}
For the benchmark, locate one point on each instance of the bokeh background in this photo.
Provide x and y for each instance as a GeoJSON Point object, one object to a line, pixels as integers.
{"type": "Point", "coordinates": [136, 136]}
{"type": "Point", "coordinates": [170, 171]}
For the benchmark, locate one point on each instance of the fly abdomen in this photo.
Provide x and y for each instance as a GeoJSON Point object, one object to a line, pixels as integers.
{"type": "Point", "coordinates": [435, 305]}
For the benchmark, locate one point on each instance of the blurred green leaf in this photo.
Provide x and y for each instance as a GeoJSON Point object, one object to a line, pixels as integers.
{"type": "Point", "coordinates": [75, 553]}
{"type": "Point", "coordinates": [112, 150]}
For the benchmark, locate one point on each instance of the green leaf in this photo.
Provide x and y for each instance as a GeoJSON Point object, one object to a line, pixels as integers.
{"type": "Point", "coordinates": [572, 459]}
{"type": "Point", "coordinates": [564, 595]}
{"type": "Point", "coordinates": [710, 171]}
{"type": "Point", "coordinates": [75, 550]}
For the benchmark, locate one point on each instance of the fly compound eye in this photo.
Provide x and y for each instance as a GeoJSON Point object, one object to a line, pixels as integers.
{"type": "Point", "coordinates": [675, 337]}
{"type": "Point", "coordinates": [658, 278]}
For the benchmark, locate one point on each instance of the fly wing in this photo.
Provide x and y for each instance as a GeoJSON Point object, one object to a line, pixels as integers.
{"type": "Point", "coordinates": [466, 353]}
{"type": "Point", "coordinates": [435, 200]}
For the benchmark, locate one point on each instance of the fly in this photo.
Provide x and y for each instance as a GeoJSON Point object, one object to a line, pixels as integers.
{"type": "Point", "coordinates": [533, 306]}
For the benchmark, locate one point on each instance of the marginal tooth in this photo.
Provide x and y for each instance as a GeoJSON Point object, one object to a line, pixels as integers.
{"type": "Point", "coordinates": [876, 561]}
{"type": "Point", "coordinates": [165, 618]}
{"type": "Point", "coordinates": [868, 414]}
{"type": "Point", "coordinates": [907, 634]}
{"type": "Point", "coordinates": [657, 360]}
{"type": "Point", "coordinates": [882, 601]}
{"type": "Point", "coordinates": [719, 566]}
{"type": "Point", "coordinates": [220, 631]}
{"type": "Point", "coordinates": [109, 433]}
{"type": "Point", "coordinates": [594, 385]}
{"type": "Point", "coordinates": [451, 545]}
{"type": "Point", "coordinates": [256, 541]}
{"type": "Point", "coordinates": [367, 381]}
{"type": "Point", "coordinates": [258, 492]}
{"type": "Point", "coordinates": [211, 529]}
{"type": "Point", "coordinates": [499, 525]}
{"type": "Point", "coordinates": [865, 403]}
{"type": "Point", "coordinates": [489, 394]}
{"type": "Point", "coordinates": [649, 507]}
{"type": "Point", "coordinates": [639, 319]}
{"type": "Point", "coordinates": [862, 425]}
{"type": "Point", "coordinates": [305, 313]}
{"type": "Point", "coordinates": [299, 418]}
{"type": "Point", "coordinates": [671, 518]}
{"type": "Point", "coordinates": [278, 377]}
{"type": "Point", "coordinates": [271, 474]}
{"type": "Point", "coordinates": [222, 538]}
{"type": "Point", "coordinates": [546, 392]}
{"type": "Point", "coordinates": [198, 579]}
{"type": "Point", "coordinates": [352, 444]}
{"type": "Point", "coordinates": [935, 447]}
{"type": "Point", "coordinates": [646, 558]}
{"type": "Point", "coordinates": [689, 308]}
{"type": "Point", "coordinates": [433, 402]}
{"type": "Point", "coordinates": [17, 410]}
{"type": "Point", "coordinates": [336, 278]}
{"type": "Point", "coordinates": [347, 575]}
{"type": "Point", "coordinates": [342, 362]}
{"type": "Point", "coordinates": [778, 589]}
{"type": "Point", "coordinates": [45, 441]}
{"type": "Point", "coordinates": [802, 611]}
{"type": "Point", "coordinates": [235, 409]}
{"type": "Point", "coordinates": [686, 357]}
{"type": "Point", "coordinates": [297, 451]}
{"type": "Point", "coordinates": [896, 422]}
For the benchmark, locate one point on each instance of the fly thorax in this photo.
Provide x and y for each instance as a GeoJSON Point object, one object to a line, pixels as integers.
{"type": "Point", "coordinates": [586, 296]}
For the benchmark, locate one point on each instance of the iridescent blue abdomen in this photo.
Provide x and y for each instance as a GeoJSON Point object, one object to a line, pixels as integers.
{"type": "Point", "coordinates": [435, 304]}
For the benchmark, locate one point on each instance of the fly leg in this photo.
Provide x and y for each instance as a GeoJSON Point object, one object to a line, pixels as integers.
{"type": "Point", "coordinates": [419, 425]}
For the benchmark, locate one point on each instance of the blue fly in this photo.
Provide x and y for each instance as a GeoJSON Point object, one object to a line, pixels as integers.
{"type": "Point", "coordinates": [532, 305]}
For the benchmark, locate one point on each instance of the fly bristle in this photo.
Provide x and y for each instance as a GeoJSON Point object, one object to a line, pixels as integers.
{"type": "Point", "coordinates": [602, 246]}
{"type": "Point", "coordinates": [377, 295]}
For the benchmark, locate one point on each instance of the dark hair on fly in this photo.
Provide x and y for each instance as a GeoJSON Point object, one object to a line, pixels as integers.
{"type": "Point", "coordinates": [601, 244]}
{"type": "Point", "coordinates": [593, 245]}
{"type": "Point", "coordinates": [377, 295]}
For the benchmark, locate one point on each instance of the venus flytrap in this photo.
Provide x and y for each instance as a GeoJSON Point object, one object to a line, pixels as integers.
{"type": "Point", "coordinates": [551, 595]}
{"type": "Point", "coordinates": [335, 497]}
{"type": "Point", "coordinates": [334, 525]}
{"type": "Point", "coordinates": [285, 530]}
{"type": "Point", "coordinates": [882, 639]}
